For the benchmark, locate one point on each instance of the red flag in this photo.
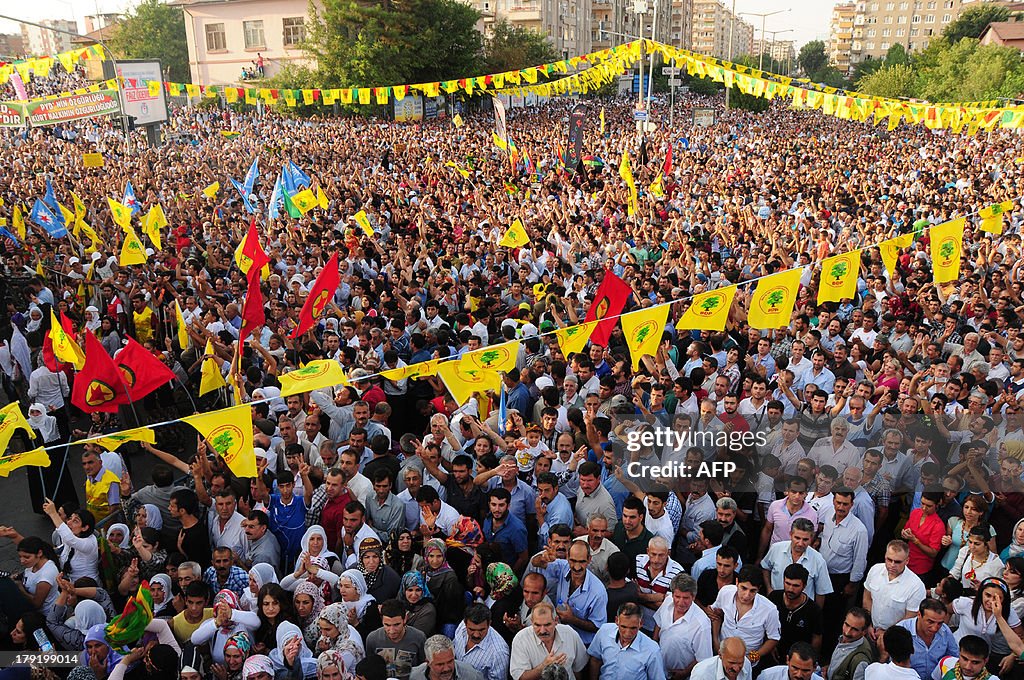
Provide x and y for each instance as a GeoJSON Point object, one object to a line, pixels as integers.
{"type": "Point", "coordinates": [250, 255]}
{"type": "Point", "coordinates": [667, 167]}
{"type": "Point", "coordinates": [609, 300]}
{"type": "Point", "coordinates": [98, 386]}
{"type": "Point", "coordinates": [252, 309]}
{"type": "Point", "coordinates": [319, 295]}
{"type": "Point", "coordinates": [140, 370]}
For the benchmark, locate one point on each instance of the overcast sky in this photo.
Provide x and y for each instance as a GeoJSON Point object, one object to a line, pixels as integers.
{"type": "Point", "coordinates": [808, 19]}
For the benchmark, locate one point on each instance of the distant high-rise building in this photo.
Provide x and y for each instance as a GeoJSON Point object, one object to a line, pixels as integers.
{"type": "Point", "coordinates": [681, 35]}
{"type": "Point", "coordinates": [714, 26]}
{"type": "Point", "coordinates": [840, 36]}
{"type": "Point", "coordinates": [880, 24]}
{"type": "Point", "coordinates": [39, 41]}
{"type": "Point", "coordinates": [94, 22]}
{"type": "Point", "coordinates": [11, 46]}
{"type": "Point", "coordinates": [566, 23]}
{"type": "Point", "coordinates": [782, 51]}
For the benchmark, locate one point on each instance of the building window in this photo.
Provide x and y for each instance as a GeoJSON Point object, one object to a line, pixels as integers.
{"type": "Point", "coordinates": [931, 5]}
{"type": "Point", "coordinates": [913, 33]}
{"type": "Point", "coordinates": [253, 31]}
{"type": "Point", "coordinates": [871, 33]}
{"type": "Point", "coordinates": [904, 6]}
{"type": "Point", "coordinates": [946, 18]}
{"type": "Point", "coordinates": [874, 7]}
{"type": "Point", "coordinates": [888, 20]}
{"type": "Point", "coordinates": [916, 19]}
{"type": "Point", "coordinates": [948, 4]}
{"type": "Point", "coordinates": [885, 45]}
{"type": "Point", "coordinates": [869, 46]}
{"type": "Point", "coordinates": [929, 19]}
{"type": "Point", "coordinates": [886, 33]}
{"type": "Point", "coordinates": [901, 20]}
{"type": "Point", "coordinates": [890, 6]}
{"type": "Point", "coordinates": [900, 32]}
{"type": "Point", "coordinates": [294, 31]}
{"type": "Point", "coordinates": [215, 38]}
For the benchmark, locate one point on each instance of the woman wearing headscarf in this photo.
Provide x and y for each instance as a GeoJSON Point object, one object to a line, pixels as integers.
{"type": "Point", "coordinates": [336, 634]}
{"type": "Point", "coordinates": [292, 658]}
{"type": "Point", "coordinates": [44, 424]}
{"type": "Point", "coordinates": [227, 620]}
{"type": "Point", "coordinates": [381, 580]}
{"type": "Point", "coordinates": [449, 594]}
{"type": "Point", "coordinates": [92, 318]}
{"type": "Point", "coordinates": [505, 597]}
{"type": "Point", "coordinates": [315, 562]}
{"type": "Point", "coordinates": [161, 589]}
{"type": "Point", "coordinates": [402, 553]}
{"type": "Point", "coordinates": [98, 659]}
{"type": "Point", "coordinates": [362, 610]}
{"type": "Point", "coordinates": [193, 665]}
{"type": "Point", "coordinates": [236, 650]}
{"type": "Point", "coordinates": [119, 537]}
{"type": "Point", "coordinates": [258, 667]}
{"type": "Point", "coordinates": [142, 561]}
{"type": "Point", "coordinates": [308, 602]}
{"type": "Point", "coordinates": [415, 595]}
{"type": "Point", "coordinates": [259, 576]}
{"type": "Point", "coordinates": [69, 635]}
{"type": "Point", "coordinates": [331, 666]}
{"type": "Point", "coordinates": [157, 661]}
{"type": "Point", "coordinates": [1016, 547]}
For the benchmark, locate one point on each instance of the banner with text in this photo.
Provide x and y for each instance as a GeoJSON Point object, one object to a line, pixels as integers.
{"type": "Point", "coordinates": [75, 107]}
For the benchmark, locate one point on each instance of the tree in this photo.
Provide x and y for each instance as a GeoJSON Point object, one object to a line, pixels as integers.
{"type": "Point", "coordinates": [393, 42]}
{"type": "Point", "coordinates": [747, 102]}
{"type": "Point", "coordinates": [889, 81]}
{"type": "Point", "coordinates": [972, 21]}
{"type": "Point", "coordinates": [154, 30]}
{"type": "Point", "coordinates": [514, 47]}
{"type": "Point", "coordinates": [812, 58]}
{"type": "Point", "coordinates": [897, 56]}
{"type": "Point", "coordinates": [865, 68]}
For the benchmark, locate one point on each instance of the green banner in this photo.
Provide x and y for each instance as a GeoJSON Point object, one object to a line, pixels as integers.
{"type": "Point", "coordinates": [12, 115]}
{"type": "Point", "coordinates": [73, 107]}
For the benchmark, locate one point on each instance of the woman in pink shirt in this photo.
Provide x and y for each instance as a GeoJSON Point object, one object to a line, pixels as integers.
{"type": "Point", "coordinates": [924, 532]}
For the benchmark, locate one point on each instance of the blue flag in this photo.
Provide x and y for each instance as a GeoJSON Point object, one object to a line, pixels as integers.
{"type": "Point", "coordinates": [50, 201]}
{"type": "Point", "coordinates": [298, 176]}
{"type": "Point", "coordinates": [288, 181]}
{"type": "Point", "coordinates": [6, 234]}
{"type": "Point", "coordinates": [44, 217]}
{"type": "Point", "coordinates": [276, 199]}
{"type": "Point", "coordinates": [502, 411]}
{"type": "Point", "coordinates": [130, 200]}
{"type": "Point", "coordinates": [245, 198]}
{"type": "Point", "coordinates": [251, 176]}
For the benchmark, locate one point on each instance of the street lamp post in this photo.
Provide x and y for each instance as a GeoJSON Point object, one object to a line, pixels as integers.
{"type": "Point", "coordinates": [764, 16]}
{"type": "Point", "coordinates": [110, 55]}
{"type": "Point", "coordinates": [772, 52]}
{"type": "Point", "coordinates": [732, 31]}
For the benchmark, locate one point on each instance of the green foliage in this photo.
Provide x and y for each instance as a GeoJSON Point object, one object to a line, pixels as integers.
{"type": "Point", "coordinates": [812, 58]}
{"type": "Point", "coordinates": [700, 85]}
{"type": "Point", "coordinates": [746, 102]}
{"type": "Point", "coordinates": [394, 41]}
{"type": "Point", "coordinates": [897, 56]}
{"type": "Point", "coordinates": [295, 77]}
{"type": "Point", "coordinates": [154, 30]}
{"type": "Point", "coordinates": [515, 47]}
{"type": "Point", "coordinates": [865, 68]}
{"type": "Point", "coordinates": [969, 71]}
{"type": "Point", "coordinates": [889, 81]}
{"type": "Point", "coordinates": [972, 21]}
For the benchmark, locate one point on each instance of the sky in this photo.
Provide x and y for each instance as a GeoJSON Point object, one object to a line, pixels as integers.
{"type": "Point", "coordinates": [808, 19]}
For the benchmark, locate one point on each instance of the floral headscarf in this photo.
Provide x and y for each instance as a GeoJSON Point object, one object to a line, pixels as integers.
{"type": "Point", "coordinates": [331, 657]}
{"type": "Point", "coordinates": [337, 615]}
{"type": "Point", "coordinates": [413, 579]}
{"type": "Point", "coordinates": [310, 629]}
{"type": "Point", "coordinates": [466, 535]}
{"type": "Point", "coordinates": [241, 641]}
{"type": "Point", "coordinates": [501, 579]}
{"type": "Point", "coordinates": [429, 547]}
{"type": "Point", "coordinates": [257, 663]}
{"type": "Point", "coordinates": [370, 545]}
{"type": "Point", "coordinates": [229, 598]}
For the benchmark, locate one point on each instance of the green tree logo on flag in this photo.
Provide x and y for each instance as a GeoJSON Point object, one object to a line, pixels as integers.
{"type": "Point", "coordinates": [708, 306]}
{"type": "Point", "coordinates": [223, 442]}
{"type": "Point", "coordinates": [774, 299]}
{"type": "Point", "coordinates": [489, 357]}
{"type": "Point", "coordinates": [839, 270]}
{"type": "Point", "coordinates": [947, 249]}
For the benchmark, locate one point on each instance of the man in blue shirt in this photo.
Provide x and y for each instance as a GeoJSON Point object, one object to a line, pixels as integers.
{"type": "Point", "coordinates": [933, 639]}
{"type": "Point", "coordinates": [580, 596]}
{"type": "Point", "coordinates": [620, 650]}
{"type": "Point", "coordinates": [504, 529]}
{"type": "Point", "coordinates": [552, 507]}
{"type": "Point", "coordinates": [517, 395]}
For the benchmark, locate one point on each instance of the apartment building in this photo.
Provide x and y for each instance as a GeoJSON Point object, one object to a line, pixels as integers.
{"type": "Point", "coordinates": [38, 41]}
{"type": "Point", "coordinates": [714, 25]}
{"type": "Point", "coordinates": [782, 51]}
{"type": "Point", "coordinates": [840, 36]}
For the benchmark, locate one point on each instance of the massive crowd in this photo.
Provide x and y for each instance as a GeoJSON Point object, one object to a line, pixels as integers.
{"type": "Point", "coordinates": [874, 531]}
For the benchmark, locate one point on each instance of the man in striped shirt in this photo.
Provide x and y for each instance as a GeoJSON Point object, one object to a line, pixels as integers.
{"type": "Point", "coordinates": [654, 573]}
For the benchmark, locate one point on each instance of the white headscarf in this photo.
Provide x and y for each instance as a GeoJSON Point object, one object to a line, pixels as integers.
{"type": "Point", "coordinates": [92, 318]}
{"type": "Point", "coordinates": [359, 581]}
{"type": "Point", "coordinates": [287, 631]}
{"type": "Point", "coordinates": [126, 541]}
{"type": "Point", "coordinates": [88, 613]}
{"type": "Point", "coordinates": [33, 324]}
{"type": "Point", "coordinates": [46, 424]}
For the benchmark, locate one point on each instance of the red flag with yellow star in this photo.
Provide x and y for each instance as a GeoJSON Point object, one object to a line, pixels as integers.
{"type": "Point", "coordinates": [98, 386]}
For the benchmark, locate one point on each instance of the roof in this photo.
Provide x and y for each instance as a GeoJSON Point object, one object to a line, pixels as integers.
{"type": "Point", "coordinates": [1006, 31]}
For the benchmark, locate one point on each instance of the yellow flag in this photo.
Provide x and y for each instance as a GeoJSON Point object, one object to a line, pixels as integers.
{"type": "Point", "coordinates": [643, 330]}
{"type": "Point", "coordinates": [461, 171]}
{"type": "Point", "coordinates": [708, 311]}
{"type": "Point", "coordinates": [839, 277]}
{"type": "Point", "coordinates": [493, 358]}
{"type": "Point", "coordinates": [132, 250]}
{"type": "Point", "coordinates": [573, 339]}
{"type": "Point", "coordinates": [457, 120]}
{"type": "Point", "coordinates": [182, 326]}
{"type": "Point", "coordinates": [602, 120]}
{"type": "Point", "coordinates": [946, 248]}
{"type": "Point", "coordinates": [499, 142]}
{"type": "Point", "coordinates": [515, 236]}
{"type": "Point", "coordinates": [305, 201]}
{"type": "Point", "coordinates": [211, 191]}
{"type": "Point", "coordinates": [39, 269]}
{"type": "Point", "coordinates": [79, 206]}
{"type": "Point", "coordinates": [423, 369]}
{"type": "Point", "coordinates": [121, 213]}
{"type": "Point", "coordinates": [658, 187]}
{"type": "Point", "coordinates": [625, 172]}
{"type": "Point", "coordinates": [83, 226]}
{"type": "Point", "coordinates": [890, 250]}
{"type": "Point", "coordinates": [992, 217]}
{"type": "Point", "coordinates": [153, 222]}
{"type": "Point", "coordinates": [19, 223]}
{"type": "Point", "coordinates": [69, 217]}
{"type": "Point", "coordinates": [64, 346]}
{"type": "Point", "coordinates": [462, 382]}
{"type": "Point", "coordinates": [364, 222]}
{"type": "Point", "coordinates": [11, 419]}
{"type": "Point", "coordinates": [321, 198]}
{"type": "Point", "coordinates": [771, 305]}
{"type": "Point", "coordinates": [12, 461]}
{"type": "Point", "coordinates": [112, 441]}
{"type": "Point", "coordinates": [313, 376]}
{"type": "Point", "coordinates": [211, 376]}
{"type": "Point", "coordinates": [229, 432]}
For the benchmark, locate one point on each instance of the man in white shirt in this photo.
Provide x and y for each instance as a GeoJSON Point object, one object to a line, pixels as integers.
{"type": "Point", "coordinates": [891, 591]}
{"type": "Point", "coordinates": [682, 630]}
{"type": "Point", "coordinates": [226, 528]}
{"type": "Point", "coordinates": [741, 611]}
{"type": "Point", "coordinates": [545, 639]}
{"type": "Point", "coordinates": [899, 644]}
{"type": "Point", "coordinates": [730, 664]}
{"type": "Point", "coordinates": [800, 664]}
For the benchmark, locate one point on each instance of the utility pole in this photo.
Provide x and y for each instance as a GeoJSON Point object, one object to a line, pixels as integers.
{"type": "Point", "coordinates": [764, 16]}
{"type": "Point", "coordinates": [772, 52]}
{"type": "Point", "coordinates": [732, 31]}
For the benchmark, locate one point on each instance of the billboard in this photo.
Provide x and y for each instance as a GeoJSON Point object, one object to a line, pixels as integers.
{"type": "Point", "coordinates": [410, 108]}
{"type": "Point", "coordinates": [703, 117]}
{"type": "Point", "coordinates": [148, 109]}
{"type": "Point", "coordinates": [62, 109]}
{"type": "Point", "coordinates": [11, 114]}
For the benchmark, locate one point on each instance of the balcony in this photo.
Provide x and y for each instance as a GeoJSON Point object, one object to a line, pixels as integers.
{"type": "Point", "coordinates": [524, 13]}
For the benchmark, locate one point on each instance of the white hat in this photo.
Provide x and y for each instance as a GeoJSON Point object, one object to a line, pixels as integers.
{"type": "Point", "coordinates": [529, 330]}
{"type": "Point", "coordinates": [96, 255]}
{"type": "Point", "coordinates": [73, 261]}
{"type": "Point", "coordinates": [544, 381]}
